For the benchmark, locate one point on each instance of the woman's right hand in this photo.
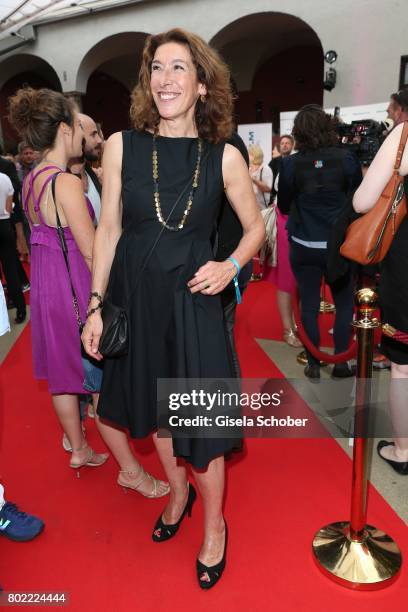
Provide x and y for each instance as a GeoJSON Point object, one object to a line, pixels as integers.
{"type": "Point", "coordinates": [91, 335]}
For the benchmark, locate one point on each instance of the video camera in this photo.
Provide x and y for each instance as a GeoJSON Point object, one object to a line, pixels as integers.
{"type": "Point", "coordinates": [363, 137]}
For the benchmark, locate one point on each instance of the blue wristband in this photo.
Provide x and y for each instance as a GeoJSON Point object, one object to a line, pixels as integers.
{"type": "Point", "coordinates": [235, 279]}
{"type": "Point", "coordinates": [236, 264]}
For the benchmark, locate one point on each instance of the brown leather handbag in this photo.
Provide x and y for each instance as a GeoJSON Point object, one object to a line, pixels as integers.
{"type": "Point", "coordinates": [369, 238]}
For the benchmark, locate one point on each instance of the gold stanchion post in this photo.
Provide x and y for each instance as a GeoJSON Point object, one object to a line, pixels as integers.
{"type": "Point", "coordinates": [354, 554]}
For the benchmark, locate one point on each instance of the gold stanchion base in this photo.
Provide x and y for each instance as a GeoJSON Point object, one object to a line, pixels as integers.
{"type": "Point", "coordinates": [327, 307]}
{"type": "Point", "coordinates": [369, 565]}
{"type": "Point", "coordinates": [302, 358]}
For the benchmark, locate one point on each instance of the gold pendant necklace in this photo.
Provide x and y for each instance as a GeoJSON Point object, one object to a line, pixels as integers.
{"type": "Point", "coordinates": [194, 185]}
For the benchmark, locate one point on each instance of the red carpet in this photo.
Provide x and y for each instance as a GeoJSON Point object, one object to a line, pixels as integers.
{"type": "Point", "coordinates": [97, 546]}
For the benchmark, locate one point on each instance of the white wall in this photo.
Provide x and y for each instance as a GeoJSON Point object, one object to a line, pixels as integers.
{"type": "Point", "coordinates": [378, 112]}
{"type": "Point", "coordinates": [368, 35]}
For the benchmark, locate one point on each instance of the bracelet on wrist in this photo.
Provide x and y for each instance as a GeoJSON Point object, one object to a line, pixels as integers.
{"type": "Point", "coordinates": [93, 310]}
{"type": "Point", "coordinates": [96, 295]}
{"type": "Point", "coordinates": [236, 264]}
{"type": "Point", "coordinates": [235, 279]}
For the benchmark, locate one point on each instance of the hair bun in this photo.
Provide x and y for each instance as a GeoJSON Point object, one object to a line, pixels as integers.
{"type": "Point", "coordinates": [24, 107]}
{"type": "Point", "coordinates": [37, 113]}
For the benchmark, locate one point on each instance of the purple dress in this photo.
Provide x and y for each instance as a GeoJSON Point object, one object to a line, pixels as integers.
{"type": "Point", "coordinates": [55, 334]}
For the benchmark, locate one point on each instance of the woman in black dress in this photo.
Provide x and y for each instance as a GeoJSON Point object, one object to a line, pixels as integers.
{"type": "Point", "coordinates": [182, 114]}
{"type": "Point", "coordinates": [393, 297]}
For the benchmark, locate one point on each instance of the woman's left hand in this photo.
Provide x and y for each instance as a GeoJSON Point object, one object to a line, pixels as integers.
{"type": "Point", "coordinates": [213, 277]}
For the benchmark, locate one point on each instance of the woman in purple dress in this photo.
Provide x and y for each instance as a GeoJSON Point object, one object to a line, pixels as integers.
{"type": "Point", "coordinates": [48, 121]}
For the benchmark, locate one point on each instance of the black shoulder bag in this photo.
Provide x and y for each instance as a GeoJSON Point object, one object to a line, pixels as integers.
{"type": "Point", "coordinates": [114, 341]}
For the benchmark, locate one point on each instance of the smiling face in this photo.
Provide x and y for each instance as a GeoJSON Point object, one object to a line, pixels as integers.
{"type": "Point", "coordinates": [174, 83]}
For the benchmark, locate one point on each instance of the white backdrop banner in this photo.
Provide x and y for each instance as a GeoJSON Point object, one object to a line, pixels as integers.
{"type": "Point", "coordinates": [378, 112]}
{"type": "Point", "coordinates": [258, 133]}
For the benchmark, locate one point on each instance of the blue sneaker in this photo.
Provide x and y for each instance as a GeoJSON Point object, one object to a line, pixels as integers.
{"type": "Point", "coordinates": [17, 525]}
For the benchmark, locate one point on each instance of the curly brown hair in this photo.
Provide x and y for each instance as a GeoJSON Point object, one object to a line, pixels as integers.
{"type": "Point", "coordinates": [214, 117]}
{"type": "Point", "coordinates": [313, 128]}
{"type": "Point", "coordinates": [37, 113]}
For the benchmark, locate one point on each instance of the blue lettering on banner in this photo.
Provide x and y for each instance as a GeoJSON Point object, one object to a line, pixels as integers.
{"type": "Point", "coordinates": [251, 137]}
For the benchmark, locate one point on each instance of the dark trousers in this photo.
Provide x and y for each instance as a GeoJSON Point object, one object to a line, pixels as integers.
{"type": "Point", "coordinates": [309, 267]}
{"type": "Point", "coordinates": [10, 264]}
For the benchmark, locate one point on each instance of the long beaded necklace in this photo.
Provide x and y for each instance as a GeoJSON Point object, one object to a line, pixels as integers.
{"type": "Point", "coordinates": [194, 185]}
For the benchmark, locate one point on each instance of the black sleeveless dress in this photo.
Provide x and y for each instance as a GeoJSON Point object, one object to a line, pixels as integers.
{"type": "Point", "coordinates": [393, 292]}
{"type": "Point", "coordinates": [173, 334]}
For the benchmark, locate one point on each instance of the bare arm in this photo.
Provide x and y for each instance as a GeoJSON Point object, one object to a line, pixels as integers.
{"type": "Point", "coordinates": [380, 172]}
{"type": "Point", "coordinates": [264, 185]}
{"type": "Point", "coordinates": [242, 199]}
{"type": "Point", "coordinates": [107, 235]}
{"type": "Point", "coordinates": [110, 224]}
{"type": "Point", "coordinates": [75, 214]}
{"type": "Point", "coordinates": [240, 193]}
{"type": "Point", "coordinates": [9, 204]}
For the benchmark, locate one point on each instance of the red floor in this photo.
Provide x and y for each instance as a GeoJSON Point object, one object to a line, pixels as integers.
{"type": "Point", "coordinates": [97, 546]}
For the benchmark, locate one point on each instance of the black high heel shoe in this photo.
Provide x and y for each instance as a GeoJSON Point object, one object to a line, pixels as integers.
{"type": "Point", "coordinates": [163, 532]}
{"type": "Point", "coordinates": [209, 576]}
{"type": "Point", "coordinates": [401, 467]}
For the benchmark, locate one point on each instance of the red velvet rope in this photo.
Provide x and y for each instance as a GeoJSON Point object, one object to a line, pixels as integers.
{"type": "Point", "coordinates": [317, 354]}
{"type": "Point", "coordinates": [395, 334]}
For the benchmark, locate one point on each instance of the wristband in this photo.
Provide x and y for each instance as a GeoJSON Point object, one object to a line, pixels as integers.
{"type": "Point", "coordinates": [236, 264]}
{"type": "Point", "coordinates": [235, 279]}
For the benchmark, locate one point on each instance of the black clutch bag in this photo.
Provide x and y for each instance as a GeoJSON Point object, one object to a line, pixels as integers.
{"type": "Point", "coordinates": [114, 341]}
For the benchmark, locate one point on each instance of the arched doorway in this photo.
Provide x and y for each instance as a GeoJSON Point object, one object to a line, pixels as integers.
{"type": "Point", "coordinates": [16, 72]}
{"type": "Point", "coordinates": [276, 61]}
{"type": "Point", "coordinates": [107, 75]}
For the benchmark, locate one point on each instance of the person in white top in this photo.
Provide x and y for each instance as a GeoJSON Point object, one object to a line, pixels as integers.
{"type": "Point", "coordinates": [6, 196]}
{"type": "Point", "coordinates": [92, 149]}
{"type": "Point", "coordinates": [261, 176]}
{"type": "Point", "coordinates": [8, 250]}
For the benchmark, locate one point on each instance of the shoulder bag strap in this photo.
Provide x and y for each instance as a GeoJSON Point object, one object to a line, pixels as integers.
{"type": "Point", "coordinates": [61, 236]}
{"type": "Point", "coordinates": [401, 146]}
